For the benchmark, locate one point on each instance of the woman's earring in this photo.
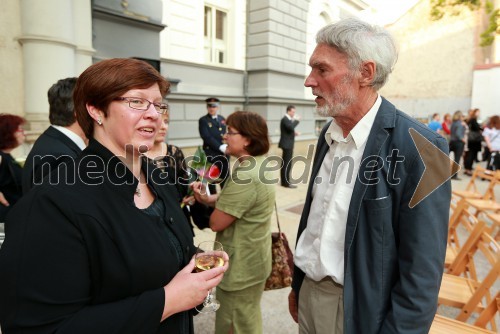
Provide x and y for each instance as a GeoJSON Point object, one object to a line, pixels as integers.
{"type": "Point", "coordinates": [99, 121]}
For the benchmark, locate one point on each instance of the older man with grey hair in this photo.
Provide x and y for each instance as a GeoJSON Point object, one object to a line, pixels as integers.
{"type": "Point", "coordinates": [367, 260]}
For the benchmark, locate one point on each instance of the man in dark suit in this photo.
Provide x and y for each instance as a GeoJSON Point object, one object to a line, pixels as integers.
{"type": "Point", "coordinates": [212, 128]}
{"type": "Point", "coordinates": [287, 139]}
{"type": "Point", "coordinates": [63, 140]}
{"type": "Point", "coordinates": [367, 260]}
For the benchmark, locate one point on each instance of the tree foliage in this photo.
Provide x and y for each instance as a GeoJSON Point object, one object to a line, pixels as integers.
{"type": "Point", "coordinates": [440, 8]}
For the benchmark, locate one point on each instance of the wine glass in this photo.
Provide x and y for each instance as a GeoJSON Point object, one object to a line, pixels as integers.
{"type": "Point", "coordinates": [209, 254]}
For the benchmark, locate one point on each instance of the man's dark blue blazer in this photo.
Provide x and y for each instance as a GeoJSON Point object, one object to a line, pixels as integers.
{"type": "Point", "coordinates": [50, 149]}
{"type": "Point", "coordinates": [394, 254]}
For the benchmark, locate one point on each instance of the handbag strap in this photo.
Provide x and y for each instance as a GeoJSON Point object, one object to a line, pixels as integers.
{"type": "Point", "coordinates": [277, 218]}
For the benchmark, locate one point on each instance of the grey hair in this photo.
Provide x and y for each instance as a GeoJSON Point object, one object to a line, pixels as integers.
{"type": "Point", "coordinates": [361, 41]}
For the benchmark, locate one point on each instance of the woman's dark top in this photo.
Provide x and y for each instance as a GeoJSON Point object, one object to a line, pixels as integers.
{"type": "Point", "coordinates": [173, 163]}
{"type": "Point", "coordinates": [157, 209]}
{"type": "Point", "coordinates": [474, 127]}
{"type": "Point", "coordinates": [10, 182]}
{"type": "Point", "coordinates": [80, 257]}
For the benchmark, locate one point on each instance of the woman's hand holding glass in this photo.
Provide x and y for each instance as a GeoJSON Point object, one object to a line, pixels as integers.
{"type": "Point", "coordinates": [209, 255]}
{"type": "Point", "coordinates": [189, 289]}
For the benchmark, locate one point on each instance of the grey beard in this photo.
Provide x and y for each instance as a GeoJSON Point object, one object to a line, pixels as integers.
{"type": "Point", "coordinates": [343, 101]}
{"type": "Point", "coordinates": [323, 111]}
{"type": "Point", "coordinates": [333, 110]}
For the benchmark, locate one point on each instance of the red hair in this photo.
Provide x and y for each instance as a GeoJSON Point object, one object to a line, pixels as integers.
{"type": "Point", "coordinates": [9, 124]}
{"type": "Point", "coordinates": [108, 79]}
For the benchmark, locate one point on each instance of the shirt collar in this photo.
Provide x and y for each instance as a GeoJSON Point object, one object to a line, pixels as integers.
{"type": "Point", "coordinates": [71, 135]}
{"type": "Point", "coordinates": [360, 131]}
{"type": "Point", "coordinates": [288, 116]}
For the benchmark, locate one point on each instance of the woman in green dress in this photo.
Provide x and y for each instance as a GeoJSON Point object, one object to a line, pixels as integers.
{"type": "Point", "coordinates": [242, 219]}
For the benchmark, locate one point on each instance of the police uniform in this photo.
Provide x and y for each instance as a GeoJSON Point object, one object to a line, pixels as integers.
{"type": "Point", "coordinates": [212, 130]}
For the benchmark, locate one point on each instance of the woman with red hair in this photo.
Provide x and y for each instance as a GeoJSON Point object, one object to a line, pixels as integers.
{"type": "Point", "coordinates": [11, 136]}
{"type": "Point", "coordinates": [102, 245]}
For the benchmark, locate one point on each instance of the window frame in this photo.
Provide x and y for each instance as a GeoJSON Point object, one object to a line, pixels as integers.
{"type": "Point", "coordinates": [213, 47]}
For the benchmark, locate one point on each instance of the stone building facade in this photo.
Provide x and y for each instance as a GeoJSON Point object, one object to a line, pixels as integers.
{"type": "Point", "coordinates": [251, 54]}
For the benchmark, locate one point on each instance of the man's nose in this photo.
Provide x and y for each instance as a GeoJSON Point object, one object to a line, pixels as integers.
{"type": "Point", "coordinates": [310, 82]}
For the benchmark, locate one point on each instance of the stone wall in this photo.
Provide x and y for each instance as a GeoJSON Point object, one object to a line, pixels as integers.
{"type": "Point", "coordinates": [436, 60]}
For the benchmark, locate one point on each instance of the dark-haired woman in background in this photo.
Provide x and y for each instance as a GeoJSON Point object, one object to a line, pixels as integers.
{"type": "Point", "coordinates": [474, 139]}
{"type": "Point", "coordinates": [107, 249]}
{"type": "Point", "coordinates": [11, 136]}
{"type": "Point", "coordinates": [242, 219]}
{"type": "Point", "coordinates": [457, 138]}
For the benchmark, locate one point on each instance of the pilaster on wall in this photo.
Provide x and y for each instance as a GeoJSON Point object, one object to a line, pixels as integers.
{"type": "Point", "coordinates": [277, 35]}
{"type": "Point", "coordinates": [276, 59]}
{"type": "Point", "coordinates": [56, 41]}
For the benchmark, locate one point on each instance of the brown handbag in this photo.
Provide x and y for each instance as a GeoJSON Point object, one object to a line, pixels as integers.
{"type": "Point", "coordinates": [282, 265]}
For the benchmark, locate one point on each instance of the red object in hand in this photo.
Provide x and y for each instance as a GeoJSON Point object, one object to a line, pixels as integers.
{"type": "Point", "coordinates": [213, 172]}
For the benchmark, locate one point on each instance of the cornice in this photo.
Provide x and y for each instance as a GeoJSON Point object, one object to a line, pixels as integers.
{"type": "Point", "coordinates": [127, 17]}
{"type": "Point", "coordinates": [46, 39]}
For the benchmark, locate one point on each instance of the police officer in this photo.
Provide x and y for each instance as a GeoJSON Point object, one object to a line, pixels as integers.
{"type": "Point", "coordinates": [212, 129]}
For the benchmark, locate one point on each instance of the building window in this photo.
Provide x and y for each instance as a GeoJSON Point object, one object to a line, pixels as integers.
{"type": "Point", "coordinates": [215, 35]}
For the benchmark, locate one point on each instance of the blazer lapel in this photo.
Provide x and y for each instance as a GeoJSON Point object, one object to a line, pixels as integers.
{"type": "Point", "coordinates": [321, 150]}
{"type": "Point", "coordinates": [64, 139]}
{"type": "Point", "coordinates": [384, 120]}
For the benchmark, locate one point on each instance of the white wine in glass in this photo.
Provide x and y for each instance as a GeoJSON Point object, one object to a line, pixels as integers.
{"type": "Point", "coordinates": [209, 255]}
{"type": "Point", "coordinates": [206, 262]}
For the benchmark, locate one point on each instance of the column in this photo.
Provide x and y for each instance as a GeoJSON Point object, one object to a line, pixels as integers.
{"type": "Point", "coordinates": [52, 50]}
{"type": "Point", "coordinates": [82, 23]}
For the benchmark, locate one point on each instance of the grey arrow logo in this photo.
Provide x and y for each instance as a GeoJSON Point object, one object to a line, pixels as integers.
{"type": "Point", "coordinates": [438, 168]}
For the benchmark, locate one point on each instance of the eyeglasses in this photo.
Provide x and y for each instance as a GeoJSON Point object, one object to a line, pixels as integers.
{"type": "Point", "coordinates": [232, 133]}
{"type": "Point", "coordinates": [138, 103]}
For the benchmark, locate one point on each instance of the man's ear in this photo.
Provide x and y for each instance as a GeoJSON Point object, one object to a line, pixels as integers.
{"type": "Point", "coordinates": [368, 70]}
